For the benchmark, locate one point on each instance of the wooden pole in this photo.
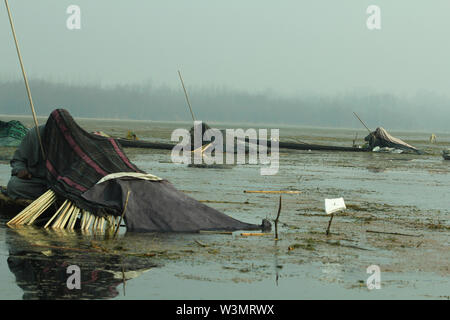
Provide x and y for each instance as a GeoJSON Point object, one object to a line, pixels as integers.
{"type": "Point", "coordinates": [123, 214]}
{"type": "Point", "coordinates": [362, 122]}
{"type": "Point", "coordinates": [187, 97]}
{"type": "Point", "coordinates": [329, 224]}
{"type": "Point", "coordinates": [25, 78]}
{"type": "Point", "coordinates": [354, 140]}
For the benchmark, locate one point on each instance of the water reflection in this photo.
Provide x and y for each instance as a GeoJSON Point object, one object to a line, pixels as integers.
{"type": "Point", "coordinates": [39, 260]}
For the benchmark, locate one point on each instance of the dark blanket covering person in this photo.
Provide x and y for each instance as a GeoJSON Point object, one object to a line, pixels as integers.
{"type": "Point", "coordinates": [78, 160]}
{"type": "Point", "coordinates": [28, 174]}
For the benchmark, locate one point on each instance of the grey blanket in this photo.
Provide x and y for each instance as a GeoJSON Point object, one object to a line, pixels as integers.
{"type": "Point", "coordinates": [158, 206]}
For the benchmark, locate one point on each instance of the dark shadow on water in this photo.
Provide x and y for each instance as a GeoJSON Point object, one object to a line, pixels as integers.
{"type": "Point", "coordinates": [39, 259]}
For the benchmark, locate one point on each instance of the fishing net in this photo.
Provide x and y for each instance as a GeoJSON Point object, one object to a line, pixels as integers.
{"type": "Point", "coordinates": [12, 133]}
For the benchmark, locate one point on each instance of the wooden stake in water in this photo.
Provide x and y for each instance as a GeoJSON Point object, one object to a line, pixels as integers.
{"type": "Point", "coordinates": [329, 225]}
{"type": "Point", "coordinates": [276, 220]}
{"type": "Point", "coordinates": [123, 214]}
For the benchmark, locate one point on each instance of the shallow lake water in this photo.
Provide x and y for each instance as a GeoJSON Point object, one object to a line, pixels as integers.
{"type": "Point", "coordinates": [397, 217]}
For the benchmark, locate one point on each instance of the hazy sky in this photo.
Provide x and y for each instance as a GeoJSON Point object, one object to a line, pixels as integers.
{"type": "Point", "coordinates": [288, 47]}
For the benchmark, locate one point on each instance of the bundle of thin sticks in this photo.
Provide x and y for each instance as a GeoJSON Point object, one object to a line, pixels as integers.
{"type": "Point", "coordinates": [34, 210]}
{"type": "Point", "coordinates": [66, 216]}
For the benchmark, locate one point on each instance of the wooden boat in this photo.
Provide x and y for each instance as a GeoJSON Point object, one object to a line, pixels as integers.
{"type": "Point", "coordinates": [128, 143]}
{"type": "Point", "coordinates": [283, 145]}
{"type": "Point", "coordinates": [9, 207]}
{"type": "Point", "coordinates": [307, 146]}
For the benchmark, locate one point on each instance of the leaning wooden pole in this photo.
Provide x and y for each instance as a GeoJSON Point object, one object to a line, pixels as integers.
{"type": "Point", "coordinates": [25, 78]}
{"type": "Point", "coordinates": [186, 95]}
{"type": "Point", "coordinates": [362, 122]}
{"type": "Point", "coordinates": [123, 214]}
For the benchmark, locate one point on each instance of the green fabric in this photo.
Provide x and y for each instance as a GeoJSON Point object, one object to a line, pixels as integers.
{"type": "Point", "coordinates": [12, 133]}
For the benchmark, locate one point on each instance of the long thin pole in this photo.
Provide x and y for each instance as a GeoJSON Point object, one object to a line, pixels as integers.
{"type": "Point", "coordinates": [329, 225]}
{"type": "Point", "coordinates": [362, 122]}
{"type": "Point", "coordinates": [25, 78]}
{"type": "Point", "coordinates": [123, 214]}
{"type": "Point", "coordinates": [187, 97]}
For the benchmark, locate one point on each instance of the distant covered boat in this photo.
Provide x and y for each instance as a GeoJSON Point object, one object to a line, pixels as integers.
{"type": "Point", "coordinates": [381, 138]}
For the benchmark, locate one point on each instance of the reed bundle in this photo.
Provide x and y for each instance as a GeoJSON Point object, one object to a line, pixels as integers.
{"type": "Point", "coordinates": [28, 215]}
{"type": "Point", "coordinates": [66, 217]}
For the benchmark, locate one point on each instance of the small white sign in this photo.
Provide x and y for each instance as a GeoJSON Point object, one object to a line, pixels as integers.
{"type": "Point", "coordinates": [334, 205]}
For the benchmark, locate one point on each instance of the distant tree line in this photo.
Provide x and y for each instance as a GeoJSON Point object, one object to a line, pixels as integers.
{"type": "Point", "coordinates": [423, 111]}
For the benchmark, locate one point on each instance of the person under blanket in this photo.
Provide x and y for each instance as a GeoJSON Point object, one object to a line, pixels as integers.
{"type": "Point", "coordinates": [28, 168]}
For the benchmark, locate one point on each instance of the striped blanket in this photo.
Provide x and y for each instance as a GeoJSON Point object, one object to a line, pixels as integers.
{"type": "Point", "coordinates": [76, 160]}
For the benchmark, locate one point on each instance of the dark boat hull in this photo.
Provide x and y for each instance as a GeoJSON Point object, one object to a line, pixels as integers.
{"type": "Point", "coordinates": [305, 146]}
{"type": "Point", "coordinates": [9, 207]}
{"type": "Point", "coordinates": [145, 144]}
{"type": "Point", "coordinates": [283, 145]}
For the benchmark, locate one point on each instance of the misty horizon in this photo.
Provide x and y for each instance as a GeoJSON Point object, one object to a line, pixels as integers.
{"type": "Point", "coordinates": [422, 112]}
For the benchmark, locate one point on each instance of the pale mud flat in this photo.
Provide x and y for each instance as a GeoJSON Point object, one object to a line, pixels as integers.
{"type": "Point", "coordinates": [397, 218]}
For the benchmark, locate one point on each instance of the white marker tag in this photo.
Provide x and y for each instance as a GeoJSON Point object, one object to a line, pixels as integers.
{"type": "Point", "coordinates": [334, 205]}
